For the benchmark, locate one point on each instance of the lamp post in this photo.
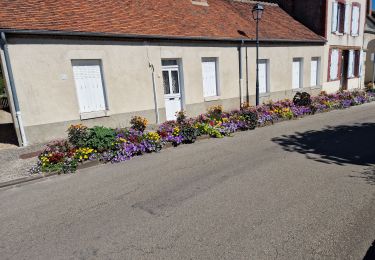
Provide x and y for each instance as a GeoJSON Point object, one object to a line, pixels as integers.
{"type": "Point", "coordinates": [257, 15]}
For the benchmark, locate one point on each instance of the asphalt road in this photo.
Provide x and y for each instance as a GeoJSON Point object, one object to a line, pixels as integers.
{"type": "Point", "coordinates": [302, 189]}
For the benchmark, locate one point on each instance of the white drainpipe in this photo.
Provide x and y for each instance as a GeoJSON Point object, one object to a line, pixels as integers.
{"type": "Point", "coordinates": [13, 89]}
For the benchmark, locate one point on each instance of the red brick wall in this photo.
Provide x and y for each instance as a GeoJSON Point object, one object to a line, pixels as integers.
{"type": "Point", "coordinates": [311, 13]}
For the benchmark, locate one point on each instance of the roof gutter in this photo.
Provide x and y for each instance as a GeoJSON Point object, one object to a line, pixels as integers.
{"type": "Point", "coordinates": [155, 37]}
{"type": "Point", "coordinates": [4, 45]}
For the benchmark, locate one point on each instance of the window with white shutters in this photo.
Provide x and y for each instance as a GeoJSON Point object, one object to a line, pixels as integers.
{"type": "Point", "coordinates": [315, 70]}
{"type": "Point", "coordinates": [334, 16]}
{"type": "Point", "coordinates": [347, 18]}
{"type": "Point", "coordinates": [351, 63]}
{"type": "Point", "coordinates": [338, 19]}
{"type": "Point", "coordinates": [263, 76]}
{"type": "Point", "coordinates": [210, 79]}
{"type": "Point", "coordinates": [361, 61]}
{"type": "Point", "coordinates": [89, 84]}
{"type": "Point", "coordinates": [355, 19]}
{"type": "Point", "coordinates": [334, 64]}
{"type": "Point", "coordinates": [297, 73]}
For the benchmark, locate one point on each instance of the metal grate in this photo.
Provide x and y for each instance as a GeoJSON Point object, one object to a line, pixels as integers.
{"type": "Point", "coordinates": [4, 103]}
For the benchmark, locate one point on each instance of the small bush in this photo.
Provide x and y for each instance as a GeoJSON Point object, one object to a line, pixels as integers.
{"type": "Point", "coordinates": [250, 118]}
{"type": "Point", "coordinates": [139, 123]}
{"type": "Point", "coordinates": [302, 99]}
{"type": "Point", "coordinates": [101, 138]}
{"type": "Point", "coordinates": [78, 135]}
{"type": "Point", "coordinates": [215, 112]}
{"type": "Point", "coordinates": [189, 134]}
{"type": "Point", "coordinates": [181, 117]}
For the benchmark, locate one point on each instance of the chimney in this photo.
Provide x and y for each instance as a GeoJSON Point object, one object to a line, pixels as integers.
{"type": "Point", "coordinates": [200, 2]}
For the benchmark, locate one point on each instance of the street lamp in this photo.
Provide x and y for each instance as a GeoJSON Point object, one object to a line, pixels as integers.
{"type": "Point", "coordinates": [257, 15]}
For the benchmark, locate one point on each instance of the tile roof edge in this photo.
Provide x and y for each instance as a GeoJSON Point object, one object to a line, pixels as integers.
{"type": "Point", "coordinates": [256, 2]}
{"type": "Point", "coordinates": [152, 37]}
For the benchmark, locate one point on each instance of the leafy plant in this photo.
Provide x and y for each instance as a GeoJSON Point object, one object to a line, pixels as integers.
{"type": "Point", "coordinates": [250, 117]}
{"type": "Point", "coordinates": [78, 135]}
{"type": "Point", "coordinates": [180, 117]}
{"type": "Point", "coordinates": [215, 112]}
{"type": "Point", "coordinates": [139, 123]}
{"type": "Point", "coordinates": [302, 99]}
{"type": "Point", "coordinates": [189, 134]}
{"type": "Point", "coordinates": [101, 138]}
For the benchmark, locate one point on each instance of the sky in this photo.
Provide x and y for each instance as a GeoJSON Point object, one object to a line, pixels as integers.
{"type": "Point", "coordinates": [373, 4]}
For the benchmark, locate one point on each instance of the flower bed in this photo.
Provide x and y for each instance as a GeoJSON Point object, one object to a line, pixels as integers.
{"type": "Point", "coordinates": [116, 145]}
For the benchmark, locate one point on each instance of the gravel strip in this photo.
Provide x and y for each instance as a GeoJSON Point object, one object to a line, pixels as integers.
{"type": "Point", "coordinates": [12, 167]}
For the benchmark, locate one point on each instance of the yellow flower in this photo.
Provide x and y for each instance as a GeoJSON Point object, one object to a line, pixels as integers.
{"type": "Point", "coordinates": [176, 131]}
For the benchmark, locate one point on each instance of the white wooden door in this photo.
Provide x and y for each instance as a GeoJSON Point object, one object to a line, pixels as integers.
{"type": "Point", "coordinates": [89, 84]}
{"type": "Point", "coordinates": [314, 72]}
{"type": "Point", "coordinates": [172, 91]}
{"type": "Point", "coordinates": [262, 76]}
{"type": "Point", "coordinates": [297, 73]}
{"type": "Point", "coordinates": [209, 77]}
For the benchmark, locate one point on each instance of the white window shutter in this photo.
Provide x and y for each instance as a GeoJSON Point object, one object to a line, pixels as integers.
{"type": "Point", "coordinates": [361, 60]}
{"type": "Point", "coordinates": [347, 19]}
{"type": "Point", "coordinates": [333, 70]}
{"type": "Point", "coordinates": [263, 76]}
{"type": "Point", "coordinates": [209, 77]}
{"type": "Point", "coordinates": [351, 64]}
{"type": "Point", "coordinates": [314, 72]}
{"type": "Point", "coordinates": [334, 16]}
{"type": "Point", "coordinates": [355, 20]}
{"type": "Point", "coordinates": [296, 74]}
{"type": "Point", "coordinates": [89, 83]}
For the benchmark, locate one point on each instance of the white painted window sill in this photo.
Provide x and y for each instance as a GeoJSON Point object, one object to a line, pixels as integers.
{"type": "Point", "coordinates": [316, 87]}
{"type": "Point", "coordinates": [96, 114]}
{"type": "Point", "coordinates": [208, 99]}
{"type": "Point", "coordinates": [267, 94]}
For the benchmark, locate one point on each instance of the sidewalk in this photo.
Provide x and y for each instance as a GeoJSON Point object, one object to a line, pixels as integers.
{"type": "Point", "coordinates": [12, 167]}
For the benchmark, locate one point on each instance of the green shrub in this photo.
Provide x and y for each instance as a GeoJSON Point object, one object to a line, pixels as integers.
{"type": "Point", "coordinates": [101, 138]}
{"type": "Point", "coordinates": [250, 117]}
{"type": "Point", "coordinates": [302, 99]}
{"type": "Point", "coordinates": [78, 135]}
{"type": "Point", "coordinates": [189, 134]}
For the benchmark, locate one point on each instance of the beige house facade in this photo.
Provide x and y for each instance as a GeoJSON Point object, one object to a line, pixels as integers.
{"type": "Point", "coordinates": [63, 79]}
{"type": "Point", "coordinates": [344, 56]}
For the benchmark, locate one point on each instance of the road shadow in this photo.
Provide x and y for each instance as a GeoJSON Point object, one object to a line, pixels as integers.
{"type": "Point", "coordinates": [344, 144]}
{"type": "Point", "coordinates": [370, 255]}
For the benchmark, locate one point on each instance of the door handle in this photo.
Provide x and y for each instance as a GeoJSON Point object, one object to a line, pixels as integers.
{"type": "Point", "coordinates": [171, 98]}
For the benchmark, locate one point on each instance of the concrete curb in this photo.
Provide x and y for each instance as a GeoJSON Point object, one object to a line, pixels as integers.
{"type": "Point", "coordinates": [25, 180]}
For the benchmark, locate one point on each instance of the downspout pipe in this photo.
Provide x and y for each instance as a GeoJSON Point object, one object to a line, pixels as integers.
{"type": "Point", "coordinates": [4, 45]}
{"type": "Point", "coordinates": [240, 71]}
{"type": "Point", "coordinates": [155, 94]}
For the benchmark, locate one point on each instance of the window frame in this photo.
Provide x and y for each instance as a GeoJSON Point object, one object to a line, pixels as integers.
{"type": "Point", "coordinates": [301, 76]}
{"type": "Point", "coordinates": [97, 113]}
{"type": "Point", "coordinates": [339, 61]}
{"type": "Point", "coordinates": [358, 5]}
{"type": "Point", "coordinates": [341, 16]}
{"type": "Point", "coordinates": [268, 87]}
{"type": "Point", "coordinates": [217, 78]}
{"type": "Point", "coordinates": [318, 71]}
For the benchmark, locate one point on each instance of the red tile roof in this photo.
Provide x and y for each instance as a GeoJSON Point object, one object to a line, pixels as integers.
{"type": "Point", "coordinates": [222, 19]}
